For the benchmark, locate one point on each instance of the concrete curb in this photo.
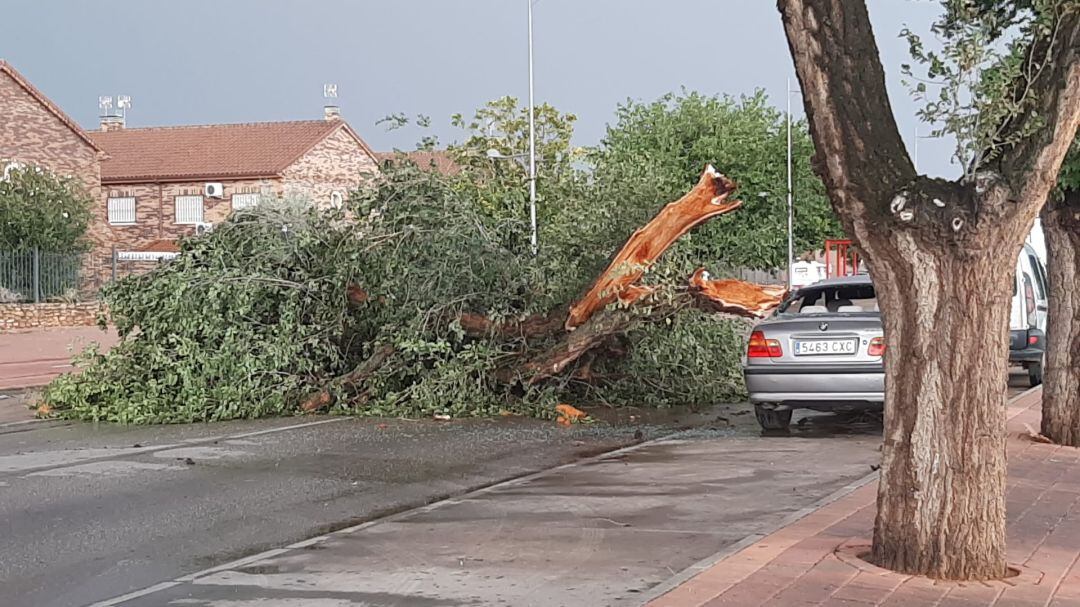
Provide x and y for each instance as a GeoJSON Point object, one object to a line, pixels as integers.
{"type": "Point", "coordinates": [686, 574]}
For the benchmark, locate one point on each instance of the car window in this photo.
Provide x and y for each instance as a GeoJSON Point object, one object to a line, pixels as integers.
{"type": "Point", "coordinates": [818, 299]}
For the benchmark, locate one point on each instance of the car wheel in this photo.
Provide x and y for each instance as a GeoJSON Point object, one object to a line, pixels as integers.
{"type": "Point", "coordinates": [1035, 373]}
{"type": "Point", "coordinates": [772, 419]}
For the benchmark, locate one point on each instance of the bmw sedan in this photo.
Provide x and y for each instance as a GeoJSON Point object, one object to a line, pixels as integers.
{"type": "Point", "coordinates": [822, 350]}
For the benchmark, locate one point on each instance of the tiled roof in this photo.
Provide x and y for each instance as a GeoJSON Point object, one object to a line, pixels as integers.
{"type": "Point", "coordinates": [160, 246]}
{"type": "Point", "coordinates": [440, 160]}
{"type": "Point", "coordinates": [215, 151]}
{"type": "Point", "coordinates": [7, 68]}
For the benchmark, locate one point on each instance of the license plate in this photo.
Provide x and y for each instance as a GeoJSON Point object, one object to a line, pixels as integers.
{"type": "Point", "coordinates": [813, 347]}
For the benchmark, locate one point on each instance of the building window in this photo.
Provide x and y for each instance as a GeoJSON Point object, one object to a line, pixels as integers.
{"type": "Point", "coordinates": [122, 210]}
{"type": "Point", "coordinates": [189, 209]}
{"type": "Point", "coordinates": [244, 201]}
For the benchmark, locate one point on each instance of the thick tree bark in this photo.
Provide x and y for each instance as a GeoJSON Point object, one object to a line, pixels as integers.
{"type": "Point", "coordinates": [940, 255]}
{"type": "Point", "coordinates": [941, 497]}
{"type": "Point", "coordinates": [1061, 387]}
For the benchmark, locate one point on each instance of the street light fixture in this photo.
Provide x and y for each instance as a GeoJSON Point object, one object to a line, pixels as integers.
{"type": "Point", "coordinates": [497, 155]}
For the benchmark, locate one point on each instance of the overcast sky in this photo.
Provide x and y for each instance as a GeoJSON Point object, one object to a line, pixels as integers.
{"type": "Point", "coordinates": [206, 61]}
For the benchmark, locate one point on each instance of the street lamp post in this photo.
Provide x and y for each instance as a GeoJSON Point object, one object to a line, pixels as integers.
{"type": "Point", "coordinates": [534, 240]}
{"type": "Point", "coordinates": [790, 193]}
{"type": "Point", "coordinates": [915, 147]}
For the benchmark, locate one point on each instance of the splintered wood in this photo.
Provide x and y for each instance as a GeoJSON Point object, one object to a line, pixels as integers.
{"type": "Point", "coordinates": [708, 199]}
{"type": "Point", "coordinates": [735, 296]}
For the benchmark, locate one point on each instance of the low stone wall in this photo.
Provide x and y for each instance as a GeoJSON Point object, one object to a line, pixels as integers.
{"type": "Point", "coordinates": [14, 317]}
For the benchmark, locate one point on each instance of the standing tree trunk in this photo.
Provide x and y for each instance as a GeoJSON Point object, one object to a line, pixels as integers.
{"type": "Point", "coordinates": [941, 255]}
{"type": "Point", "coordinates": [941, 498]}
{"type": "Point", "coordinates": [1061, 388]}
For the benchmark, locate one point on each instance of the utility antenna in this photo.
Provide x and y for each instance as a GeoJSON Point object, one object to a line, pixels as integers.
{"type": "Point", "coordinates": [123, 102]}
{"type": "Point", "coordinates": [329, 90]}
{"type": "Point", "coordinates": [105, 104]}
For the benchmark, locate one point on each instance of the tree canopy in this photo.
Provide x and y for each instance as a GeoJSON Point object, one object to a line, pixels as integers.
{"type": "Point", "coordinates": [43, 211]}
{"type": "Point", "coordinates": [653, 148]}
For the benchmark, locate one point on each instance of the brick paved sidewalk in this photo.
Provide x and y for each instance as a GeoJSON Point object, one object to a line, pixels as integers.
{"type": "Point", "coordinates": [33, 358]}
{"type": "Point", "coordinates": [813, 560]}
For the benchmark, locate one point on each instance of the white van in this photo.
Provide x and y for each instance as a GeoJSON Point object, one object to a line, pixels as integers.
{"type": "Point", "coordinates": [1027, 322]}
{"type": "Point", "coordinates": [806, 273]}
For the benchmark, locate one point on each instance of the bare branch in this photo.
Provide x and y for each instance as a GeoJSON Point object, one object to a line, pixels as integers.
{"type": "Point", "coordinates": [1033, 163]}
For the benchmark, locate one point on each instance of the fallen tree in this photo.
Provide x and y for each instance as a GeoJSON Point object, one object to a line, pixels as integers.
{"type": "Point", "coordinates": [588, 325]}
{"type": "Point", "coordinates": [416, 308]}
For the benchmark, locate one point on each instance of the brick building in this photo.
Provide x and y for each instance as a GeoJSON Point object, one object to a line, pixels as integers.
{"type": "Point", "coordinates": [160, 183]}
{"type": "Point", "coordinates": [156, 184]}
{"type": "Point", "coordinates": [35, 132]}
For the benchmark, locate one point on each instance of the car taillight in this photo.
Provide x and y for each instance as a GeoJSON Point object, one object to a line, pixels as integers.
{"type": "Point", "coordinates": [759, 347]}
{"type": "Point", "coordinates": [1033, 339]}
{"type": "Point", "coordinates": [877, 347]}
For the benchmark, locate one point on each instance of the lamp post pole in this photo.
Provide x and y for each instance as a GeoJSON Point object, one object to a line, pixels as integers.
{"type": "Point", "coordinates": [534, 240]}
{"type": "Point", "coordinates": [790, 194]}
{"type": "Point", "coordinates": [915, 147]}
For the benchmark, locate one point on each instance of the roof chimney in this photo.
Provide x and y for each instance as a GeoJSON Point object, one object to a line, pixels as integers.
{"type": "Point", "coordinates": [330, 111]}
{"type": "Point", "coordinates": [112, 123]}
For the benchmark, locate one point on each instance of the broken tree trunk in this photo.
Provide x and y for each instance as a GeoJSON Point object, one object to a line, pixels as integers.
{"type": "Point", "coordinates": [595, 332]}
{"type": "Point", "coordinates": [532, 327]}
{"type": "Point", "coordinates": [350, 380]}
{"type": "Point", "coordinates": [735, 296]}
{"type": "Point", "coordinates": [708, 199]}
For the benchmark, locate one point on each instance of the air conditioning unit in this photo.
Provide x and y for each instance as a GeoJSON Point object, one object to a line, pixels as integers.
{"type": "Point", "coordinates": [203, 228]}
{"type": "Point", "coordinates": [213, 190]}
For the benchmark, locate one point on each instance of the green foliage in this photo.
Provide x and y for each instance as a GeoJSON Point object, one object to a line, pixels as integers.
{"type": "Point", "coordinates": [243, 324]}
{"type": "Point", "coordinates": [977, 85]}
{"type": "Point", "coordinates": [691, 358]}
{"type": "Point", "coordinates": [43, 211]}
{"type": "Point", "coordinates": [655, 149]}
{"type": "Point", "coordinates": [1069, 178]}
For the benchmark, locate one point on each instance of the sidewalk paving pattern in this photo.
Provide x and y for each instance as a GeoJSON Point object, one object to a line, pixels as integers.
{"type": "Point", "coordinates": [814, 561]}
{"type": "Point", "coordinates": [599, 532]}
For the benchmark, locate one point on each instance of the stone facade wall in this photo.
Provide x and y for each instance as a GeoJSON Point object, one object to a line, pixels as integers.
{"type": "Point", "coordinates": [336, 164]}
{"type": "Point", "coordinates": [14, 317]}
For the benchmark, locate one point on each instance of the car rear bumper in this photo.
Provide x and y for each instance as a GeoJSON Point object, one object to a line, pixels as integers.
{"type": "Point", "coordinates": [1026, 345]}
{"type": "Point", "coordinates": [817, 383]}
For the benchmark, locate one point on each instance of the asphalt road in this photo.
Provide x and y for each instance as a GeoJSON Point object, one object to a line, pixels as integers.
{"type": "Point", "coordinates": [91, 512]}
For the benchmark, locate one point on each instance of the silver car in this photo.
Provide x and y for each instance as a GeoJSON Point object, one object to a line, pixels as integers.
{"type": "Point", "coordinates": [821, 350]}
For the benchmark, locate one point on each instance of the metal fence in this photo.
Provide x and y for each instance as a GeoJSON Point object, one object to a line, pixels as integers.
{"type": "Point", "coordinates": [761, 277]}
{"type": "Point", "coordinates": [36, 276]}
